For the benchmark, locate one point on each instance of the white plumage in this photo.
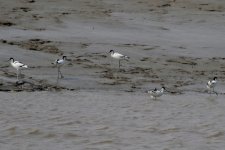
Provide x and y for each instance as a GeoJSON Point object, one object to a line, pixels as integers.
{"type": "Point", "coordinates": [59, 63]}
{"type": "Point", "coordinates": [211, 85]}
{"type": "Point", "coordinates": [18, 66]}
{"type": "Point", "coordinates": [118, 56]}
{"type": "Point", "coordinates": [156, 93]}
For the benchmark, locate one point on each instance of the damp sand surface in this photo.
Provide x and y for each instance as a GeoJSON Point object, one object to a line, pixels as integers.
{"type": "Point", "coordinates": [177, 44]}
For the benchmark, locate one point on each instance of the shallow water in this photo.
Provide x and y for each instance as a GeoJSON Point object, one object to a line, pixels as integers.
{"type": "Point", "coordinates": [179, 44]}
{"type": "Point", "coordinates": [111, 120]}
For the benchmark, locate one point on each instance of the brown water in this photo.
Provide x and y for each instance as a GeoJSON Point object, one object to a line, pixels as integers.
{"type": "Point", "coordinates": [178, 44]}
{"type": "Point", "coordinates": [111, 120]}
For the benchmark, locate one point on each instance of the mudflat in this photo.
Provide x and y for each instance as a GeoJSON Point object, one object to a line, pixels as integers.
{"type": "Point", "coordinates": [178, 44]}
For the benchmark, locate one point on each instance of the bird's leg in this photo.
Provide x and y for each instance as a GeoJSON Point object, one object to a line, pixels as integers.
{"type": "Point", "coordinates": [58, 72]}
{"type": "Point", "coordinates": [61, 73]}
{"type": "Point", "coordinates": [57, 81]}
{"type": "Point", "coordinates": [17, 75]}
{"type": "Point", "coordinates": [119, 63]}
{"type": "Point", "coordinates": [215, 92]}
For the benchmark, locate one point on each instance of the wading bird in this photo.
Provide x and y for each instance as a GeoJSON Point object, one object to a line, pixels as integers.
{"type": "Point", "coordinates": [18, 66]}
{"type": "Point", "coordinates": [156, 93]}
{"type": "Point", "coordinates": [118, 56]}
{"type": "Point", "coordinates": [211, 85]}
{"type": "Point", "coordinates": [59, 63]}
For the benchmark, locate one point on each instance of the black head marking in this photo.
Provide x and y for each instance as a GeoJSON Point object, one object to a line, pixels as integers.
{"type": "Point", "coordinates": [11, 59]}
{"type": "Point", "coordinates": [111, 51]}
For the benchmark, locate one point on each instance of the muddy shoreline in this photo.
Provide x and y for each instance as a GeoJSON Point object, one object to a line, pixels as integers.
{"type": "Point", "coordinates": [178, 44]}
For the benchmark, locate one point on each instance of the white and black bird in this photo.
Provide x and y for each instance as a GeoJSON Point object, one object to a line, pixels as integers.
{"type": "Point", "coordinates": [156, 93]}
{"type": "Point", "coordinates": [59, 63]}
{"type": "Point", "coordinates": [118, 56]}
{"type": "Point", "coordinates": [211, 85]}
{"type": "Point", "coordinates": [18, 66]}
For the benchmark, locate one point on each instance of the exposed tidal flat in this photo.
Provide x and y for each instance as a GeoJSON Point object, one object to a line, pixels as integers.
{"type": "Point", "coordinates": [177, 44]}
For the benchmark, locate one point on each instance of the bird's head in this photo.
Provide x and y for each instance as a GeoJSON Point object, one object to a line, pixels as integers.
{"type": "Point", "coordinates": [215, 78]}
{"type": "Point", "coordinates": [11, 59]}
{"type": "Point", "coordinates": [164, 89]}
{"type": "Point", "coordinates": [111, 51]}
{"type": "Point", "coordinates": [64, 57]}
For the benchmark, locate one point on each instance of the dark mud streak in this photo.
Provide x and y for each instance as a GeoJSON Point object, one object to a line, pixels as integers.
{"type": "Point", "coordinates": [35, 45]}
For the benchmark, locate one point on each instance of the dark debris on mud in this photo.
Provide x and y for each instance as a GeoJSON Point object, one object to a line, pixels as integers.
{"type": "Point", "coordinates": [29, 85]}
{"type": "Point", "coordinates": [6, 23]}
{"type": "Point", "coordinates": [35, 45]}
